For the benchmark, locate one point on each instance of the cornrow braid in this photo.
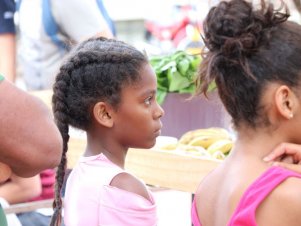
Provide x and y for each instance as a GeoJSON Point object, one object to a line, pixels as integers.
{"type": "Point", "coordinates": [95, 70]}
{"type": "Point", "coordinates": [60, 108]}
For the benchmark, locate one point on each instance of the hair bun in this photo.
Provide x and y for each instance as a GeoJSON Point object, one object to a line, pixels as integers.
{"type": "Point", "coordinates": [234, 27]}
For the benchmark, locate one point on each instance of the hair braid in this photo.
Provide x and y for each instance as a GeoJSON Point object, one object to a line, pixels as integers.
{"type": "Point", "coordinates": [60, 110]}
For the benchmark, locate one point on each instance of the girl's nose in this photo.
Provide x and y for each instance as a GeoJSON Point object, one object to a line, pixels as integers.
{"type": "Point", "coordinates": [159, 111]}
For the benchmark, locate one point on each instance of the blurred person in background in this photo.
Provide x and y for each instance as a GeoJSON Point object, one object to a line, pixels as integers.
{"type": "Point", "coordinates": [22, 190]}
{"type": "Point", "coordinates": [18, 190]}
{"type": "Point", "coordinates": [48, 29]}
{"type": "Point", "coordinates": [7, 39]}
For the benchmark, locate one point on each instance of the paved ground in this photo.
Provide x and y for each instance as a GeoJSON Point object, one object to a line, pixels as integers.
{"type": "Point", "coordinates": [173, 208]}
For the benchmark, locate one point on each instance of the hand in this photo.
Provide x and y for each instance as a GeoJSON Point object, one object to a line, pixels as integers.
{"type": "Point", "coordinates": [286, 155]}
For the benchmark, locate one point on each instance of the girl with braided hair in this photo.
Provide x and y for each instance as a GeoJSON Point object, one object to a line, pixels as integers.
{"type": "Point", "coordinates": [254, 55]}
{"type": "Point", "coordinates": [108, 89]}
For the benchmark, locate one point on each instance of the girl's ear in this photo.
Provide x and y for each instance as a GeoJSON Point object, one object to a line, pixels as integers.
{"type": "Point", "coordinates": [102, 113]}
{"type": "Point", "coordinates": [285, 101]}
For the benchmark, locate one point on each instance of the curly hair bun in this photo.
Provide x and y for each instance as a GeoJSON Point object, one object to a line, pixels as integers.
{"type": "Point", "coordinates": [235, 28]}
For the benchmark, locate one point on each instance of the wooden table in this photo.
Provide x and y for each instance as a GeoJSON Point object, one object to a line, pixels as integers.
{"type": "Point", "coordinates": [168, 169]}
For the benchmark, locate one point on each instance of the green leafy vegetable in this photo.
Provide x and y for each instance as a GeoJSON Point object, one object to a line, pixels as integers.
{"type": "Point", "coordinates": [175, 73]}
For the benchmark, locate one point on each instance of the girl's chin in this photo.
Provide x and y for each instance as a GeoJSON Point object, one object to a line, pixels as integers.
{"type": "Point", "coordinates": [149, 145]}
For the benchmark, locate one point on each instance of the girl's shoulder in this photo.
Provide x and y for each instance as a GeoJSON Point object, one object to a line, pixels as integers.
{"type": "Point", "coordinates": [282, 206]}
{"type": "Point", "coordinates": [137, 207]}
{"type": "Point", "coordinates": [128, 182]}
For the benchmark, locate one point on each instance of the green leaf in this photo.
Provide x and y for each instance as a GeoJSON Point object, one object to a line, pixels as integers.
{"type": "Point", "coordinates": [189, 89]}
{"type": "Point", "coordinates": [212, 86]}
{"type": "Point", "coordinates": [161, 94]}
{"type": "Point", "coordinates": [176, 72]}
{"type": "Point", "coordinates": [194, 64]}
{"type": "Point", "coordinates": [177, 55]}
{"type": "Point", "coordinates": [169, 65]}
{"type": "Point", "coordinates": [170, 74]}
{"type": "Point", "coordinates": [178, 82]}
{"type": "Point", "coordinates": [162, 82]}
{"type": "Point", "coordinates": [190, 75]}
{"type": "Point", "coordinates": [183, 66]}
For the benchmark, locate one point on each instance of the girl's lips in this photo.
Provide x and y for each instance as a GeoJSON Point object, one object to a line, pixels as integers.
{"type": "Point", "coordinates": [158, 132]}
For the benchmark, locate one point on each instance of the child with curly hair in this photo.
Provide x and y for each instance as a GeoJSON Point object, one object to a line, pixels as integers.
{"type": "Point", "coordinates": [108, 89]}
{"type": "Point", "coordinates": [253, 55]}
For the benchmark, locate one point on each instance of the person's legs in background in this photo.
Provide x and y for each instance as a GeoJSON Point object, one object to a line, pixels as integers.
{"type": "Point", "coordinates": [33, 219]}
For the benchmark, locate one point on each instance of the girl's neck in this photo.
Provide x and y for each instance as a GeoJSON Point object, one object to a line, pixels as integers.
{"type": "Point", "coordinates": [111, 150]}
{"type": "Point", "coordinates": [256, 144]}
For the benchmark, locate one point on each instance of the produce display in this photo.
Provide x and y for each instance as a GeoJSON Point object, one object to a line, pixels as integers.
{"type": "Point", "coordinates": [211, 142]}
{"type": "Point", "coordinates": [175, 73]}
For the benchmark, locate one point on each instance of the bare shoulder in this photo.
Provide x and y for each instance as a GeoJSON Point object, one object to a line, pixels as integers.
{"type": "Point", "coordinates": [130, 183]}
{"type": "Point", "coordinates": [205, 197]}
{"type": "Point", "coordinates": [282, 206]}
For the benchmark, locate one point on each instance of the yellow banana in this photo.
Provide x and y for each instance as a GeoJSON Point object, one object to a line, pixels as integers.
{"type": "Point", "coordinates": [186, 137]}
{"type": "Point", "coordinates": [218, 155]}
{"type": "Point", "coordinates": [204, 141]}
{"type": "Point", "coordinates": [222, 145]}
{"type": "Point", "coordinates": [195, 150]}
{"type": "Point", "coordinates": [189, 136]}
{"type": "Point", "coordinates": [169, 147]}
{"type": "Point", "coordinates": [213, 131]}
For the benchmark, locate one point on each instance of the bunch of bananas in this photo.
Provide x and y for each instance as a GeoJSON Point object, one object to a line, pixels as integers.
{"type": "Point", "coordinates": [213, 142]}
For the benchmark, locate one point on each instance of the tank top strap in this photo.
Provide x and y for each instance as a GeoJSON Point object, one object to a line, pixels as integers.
{"type": "Point", "coordinates": [113, 172]}
{"type": "Point", "coordinates": [110, 169]}
{"type": "Point", "coordinates": [258, 191]}
{"type": "Point", "coordinates": [266, 183]}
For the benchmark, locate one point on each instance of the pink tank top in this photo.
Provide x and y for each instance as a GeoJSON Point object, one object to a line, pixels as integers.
{"type": "Point", "coordinates": [91, 201]}
{"type": "Point", "coordinates": [244, 215]}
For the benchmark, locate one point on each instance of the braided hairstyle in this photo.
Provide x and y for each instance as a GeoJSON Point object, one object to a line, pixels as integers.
{"type": "Point", "coordinates": [96, 70]}
{"type": "Point", "coordinates": [247, 48]}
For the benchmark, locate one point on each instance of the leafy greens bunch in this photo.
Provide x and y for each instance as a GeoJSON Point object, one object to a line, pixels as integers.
{"type": "Point", "coordinates": [175, 73]}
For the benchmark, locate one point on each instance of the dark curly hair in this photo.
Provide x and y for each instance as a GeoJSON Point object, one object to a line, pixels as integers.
{"type": "Point", "coordinates": [247, 48]}
{"type": "Point", "coordinates": [96, 70]}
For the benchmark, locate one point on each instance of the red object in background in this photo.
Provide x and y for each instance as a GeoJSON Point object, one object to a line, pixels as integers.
{"type": "Point", "coordinates": [176, 31]}
{"type": "Point", "coordinates": [48, 181]}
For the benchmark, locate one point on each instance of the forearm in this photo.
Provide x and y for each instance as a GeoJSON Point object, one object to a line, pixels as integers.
{"type": "Point", "coordinates": [30, 140]}
{"type": "Point", "coordinates": [8, 56]}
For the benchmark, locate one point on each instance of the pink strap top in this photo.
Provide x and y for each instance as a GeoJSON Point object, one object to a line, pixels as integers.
{"type": "Point", "coordinates": [90, 200]}
{"type": "Point", "coordinates": [194, 215]}
{"type": "Point", "coordinates": [244, 215]}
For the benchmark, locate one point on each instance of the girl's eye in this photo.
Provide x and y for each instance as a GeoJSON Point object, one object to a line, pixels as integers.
{"type": "Point", "coordinates": [148, 100]}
